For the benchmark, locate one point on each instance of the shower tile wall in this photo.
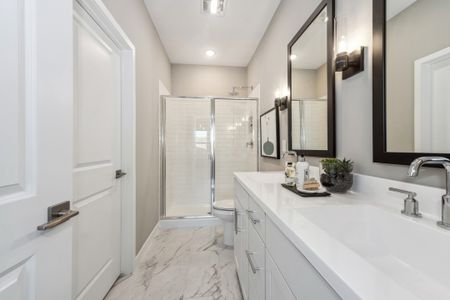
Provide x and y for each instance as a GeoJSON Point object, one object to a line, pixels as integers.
{"type": "Point", "coordinates": [307, 122]}
{"type": "Point", "coordinates": [188, 165]}
{"type": "Point", "coordinates": [236, 128]}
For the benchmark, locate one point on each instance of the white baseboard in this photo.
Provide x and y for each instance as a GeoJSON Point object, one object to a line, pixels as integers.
{"type": "Point", "coordinates": [189, 222]}
{"type": "Point", "coordinates": [147, 241]}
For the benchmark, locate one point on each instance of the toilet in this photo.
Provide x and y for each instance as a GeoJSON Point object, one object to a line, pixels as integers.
{"type": "Point", "coordinates": [224, 210]}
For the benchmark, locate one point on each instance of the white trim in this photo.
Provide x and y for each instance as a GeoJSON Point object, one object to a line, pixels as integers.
{"type": "Point", "coordinates": [423, 76]}
{"type": "Point", "coordinates": [189, 222]}
{"type": "Point", "coordinates": [146, 243]}
{"type": "Point", "coordinates": [104, 19]}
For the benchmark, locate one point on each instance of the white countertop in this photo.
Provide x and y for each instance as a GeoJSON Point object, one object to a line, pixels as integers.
{"type": "Point", "coordinates": [350, 274]}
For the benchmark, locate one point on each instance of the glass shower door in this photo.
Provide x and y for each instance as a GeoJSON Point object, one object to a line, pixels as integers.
{"type": "Point", "coordinates": [236, 142]}
{"type": "Point", "coordinates": [187, 164]}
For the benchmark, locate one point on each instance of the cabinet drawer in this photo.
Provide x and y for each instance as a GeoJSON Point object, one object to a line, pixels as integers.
{"type": "Point", "coordinates": [256, 266]}
{"type": "Point", "coordinates": [303, 279]}
{"type": "Point", "coordinates": [257, 218]}
{"type": "Point", "coordinates": [240, 194]}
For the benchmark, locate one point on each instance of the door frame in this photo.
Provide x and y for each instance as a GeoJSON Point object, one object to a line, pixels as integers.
{"type": "Point", "coordinates": [104, 19]}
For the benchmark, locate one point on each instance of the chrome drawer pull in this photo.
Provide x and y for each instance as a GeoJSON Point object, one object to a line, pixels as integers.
{"type": "Point", "coordinates": [249, 213]}
{"type": "Point", "coordinates": [236, 214]}
{"type": "Point", "coordinates": [250, 261]}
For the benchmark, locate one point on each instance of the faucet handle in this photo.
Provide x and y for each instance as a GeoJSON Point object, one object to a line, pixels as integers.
{"type": "Point", "coordinates": [411, 205]}
{"type": "Point", "coordinates": [409, 193]}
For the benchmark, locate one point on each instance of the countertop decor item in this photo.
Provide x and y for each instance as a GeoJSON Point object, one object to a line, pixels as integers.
{"type": "Point", "coordinates": [336, 174]}
{"type": "Point", "coordinates": [306, 194]}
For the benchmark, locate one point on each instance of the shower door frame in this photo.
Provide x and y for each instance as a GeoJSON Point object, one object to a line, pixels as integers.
{"type": "Point", "coordinates": [212, 141]}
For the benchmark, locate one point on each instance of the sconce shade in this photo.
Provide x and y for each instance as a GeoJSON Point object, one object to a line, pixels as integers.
{"type": "Point", "coordinates": [350, 64]}
{"type": "Point", "coordinates": [341, 61]}
{"type": "Point", "coordinates": [281, 102]}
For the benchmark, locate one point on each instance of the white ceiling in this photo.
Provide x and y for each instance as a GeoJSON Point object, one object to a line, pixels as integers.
{"type": "Point", "coordinates": [311, 47]}
{"type": "Point", "coordinates": [187, 33]}
{"type": "Point", "coordinates": [394, 7]}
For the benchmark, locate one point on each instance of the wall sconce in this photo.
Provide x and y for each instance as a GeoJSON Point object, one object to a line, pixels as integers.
{"type": "Point", "coordinates": [349, 64]}
{"type": "Point", "coordinates": [281, 102]}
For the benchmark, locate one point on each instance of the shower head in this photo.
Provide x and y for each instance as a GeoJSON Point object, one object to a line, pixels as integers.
{"type": "Point", "coordinates": [234, 91]}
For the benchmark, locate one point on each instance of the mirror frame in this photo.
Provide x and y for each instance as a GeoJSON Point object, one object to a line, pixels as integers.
{"type": "Point", "coordinates": [331, 139]}
{"type": "Point", "coordinates": [380, 153]}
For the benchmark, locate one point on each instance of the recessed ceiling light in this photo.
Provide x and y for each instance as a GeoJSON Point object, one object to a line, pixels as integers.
{"type": "Point", "coordinates": [214, 7]}
{"type": "Point", "coordinates": [293, 56]}
{"type": "Point", "coordinates": [210, 53]}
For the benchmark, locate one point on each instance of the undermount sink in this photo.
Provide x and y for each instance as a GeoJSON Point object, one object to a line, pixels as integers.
{"type": "Point", "coordinates": [414, 255]}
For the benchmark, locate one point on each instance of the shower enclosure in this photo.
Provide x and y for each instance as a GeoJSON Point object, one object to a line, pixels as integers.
{"type": "Point", "coordinates": [203, 141]}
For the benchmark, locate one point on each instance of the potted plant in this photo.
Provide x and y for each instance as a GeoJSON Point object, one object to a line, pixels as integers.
{"type": "Point", "coordinates": [337, 174]}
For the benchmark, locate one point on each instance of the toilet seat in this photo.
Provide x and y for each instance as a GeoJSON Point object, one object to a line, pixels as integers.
{"type": "Point", "coordinates": [226, 205]}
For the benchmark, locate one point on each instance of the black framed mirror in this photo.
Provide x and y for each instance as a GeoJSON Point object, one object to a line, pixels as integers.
{"type": "Point", "coordinates": [411, 76]}
{"type": "Point", "coordinates": [311, 103]}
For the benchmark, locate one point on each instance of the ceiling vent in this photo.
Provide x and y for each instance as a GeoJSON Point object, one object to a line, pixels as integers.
{"type": "Point", "coordinates": [214, 7]}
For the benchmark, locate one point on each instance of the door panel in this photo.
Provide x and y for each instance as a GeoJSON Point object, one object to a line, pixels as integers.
{"type": "Point", "coordinates": [35, 147]}
{"type": "Point", "coordinates": [12, 82]}
{"type": "Point", "coordinates": [16, 282]}
{"type": "Point", "coordinates": [96, 157]}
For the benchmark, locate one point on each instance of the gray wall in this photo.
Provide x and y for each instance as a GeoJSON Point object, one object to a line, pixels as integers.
{"type": "Point", "coordinates": [152, 65]}
{"type": "Point", "coordinates": [304, 84]}
{"type": "Point", "coordinates": [411, 27]}
{"type": "Point", "coordinates": [309, 83]}
{"type": "Point", "coordinates": [197, 80]}
{"type": "Point", "coordinates": [354, 95]}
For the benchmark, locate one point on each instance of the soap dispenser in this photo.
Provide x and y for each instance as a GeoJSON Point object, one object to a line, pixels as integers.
{"type": "Point", "coordinates": [301, 171]}
{"type": "Point", "coordinates": [289, 170]}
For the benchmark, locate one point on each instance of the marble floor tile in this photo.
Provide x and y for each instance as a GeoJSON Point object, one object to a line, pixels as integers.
{"type": "Point", "coordinates": [182, 264]}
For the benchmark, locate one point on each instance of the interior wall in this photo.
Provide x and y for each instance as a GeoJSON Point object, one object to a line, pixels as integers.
{"type": "Point", "coordinates": [198, 80]}
{"type": "Point", "coordinates": [304, 84]}
{"type": "Point", "coordinates": [353, 96]}
{"type": "Point", "coordinates": [152, 65]}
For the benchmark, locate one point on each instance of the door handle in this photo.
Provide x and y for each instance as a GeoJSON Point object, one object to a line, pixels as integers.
{"type": "Point", "coordinates": [120, 173]}
{"type": "Point", "coordinates": [58, 214]}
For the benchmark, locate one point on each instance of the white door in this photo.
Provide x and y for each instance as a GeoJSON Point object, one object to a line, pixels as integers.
{"type": "Point", "coordinates": [35, 147]}
{"type": "Point", "coordinates": [97, 155]}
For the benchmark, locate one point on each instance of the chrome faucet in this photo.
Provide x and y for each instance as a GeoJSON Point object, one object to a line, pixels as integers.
{"type": "Point", "coordinates": [410, 205]}
{"type": "Point", "coordinates": [445, 162]}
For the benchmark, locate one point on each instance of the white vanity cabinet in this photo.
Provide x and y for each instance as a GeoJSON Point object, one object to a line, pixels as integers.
{"type": "Point", "coordinates": [241, 237]}
{"type": "Point", "coordinates": [276, 286]}
{"type": "Point", "coordinates": [269, 266]}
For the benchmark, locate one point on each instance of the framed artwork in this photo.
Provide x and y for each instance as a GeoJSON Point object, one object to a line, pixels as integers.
{"type": "Point", "coordinates": [270, 134]}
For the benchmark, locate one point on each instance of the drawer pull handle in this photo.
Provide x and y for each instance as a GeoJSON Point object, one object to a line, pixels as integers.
{"type": "Point", "coordinates": [250, 215]}
{"type": "Point", "coordinates": [250, 261]}
{"type": "Point", "coordinates": [236, 215]}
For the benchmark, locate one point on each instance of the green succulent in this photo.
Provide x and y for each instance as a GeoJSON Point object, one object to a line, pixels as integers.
{"type": "Point", "coordinates": [346, 166]}
{"type": "Point", "coordinates": [334, 166]}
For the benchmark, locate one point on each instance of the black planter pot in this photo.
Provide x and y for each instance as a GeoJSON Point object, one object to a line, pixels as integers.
{"type": "Point", "coordinates": [340, 183]}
